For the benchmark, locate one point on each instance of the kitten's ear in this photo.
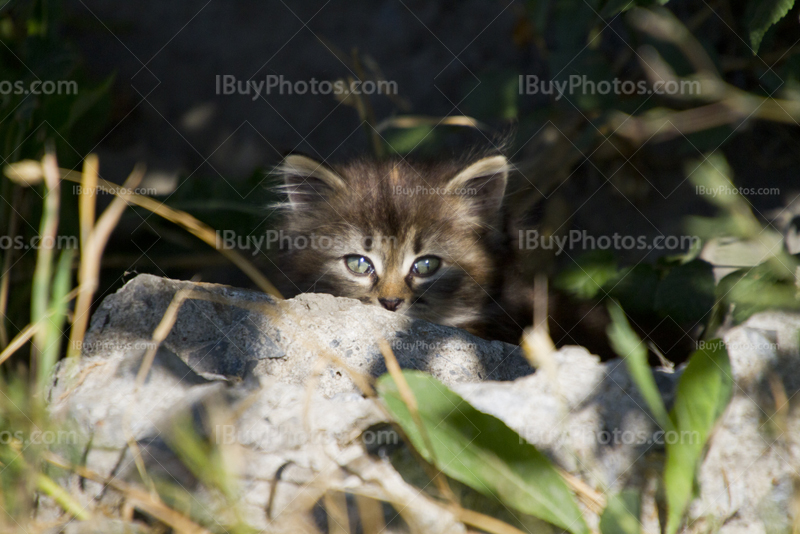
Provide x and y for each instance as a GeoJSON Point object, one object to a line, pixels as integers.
{"type": "Point", "coordinates": [482, 185]}
{"type": "Point", "coordinates": [306, 181]}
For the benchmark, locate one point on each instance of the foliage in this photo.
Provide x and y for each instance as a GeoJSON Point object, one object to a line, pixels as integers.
{"type": "Point", "coordinates": [480, 451]}
{"type": "Point", "coordinates": [702, 395]}
{"type": "Point", "coordinates": [763, 15]}
{"type": "Point", "coordinates": [595, 40]}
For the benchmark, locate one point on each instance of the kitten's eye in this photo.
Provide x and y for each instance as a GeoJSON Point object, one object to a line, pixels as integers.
{"type": "Point", "coordinates": [359, 264]}
{"type": "Point", "coordinates": [426, 266]}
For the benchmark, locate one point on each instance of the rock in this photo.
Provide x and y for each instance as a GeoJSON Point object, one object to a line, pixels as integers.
{"type": "Point", "coordinates": [247, 384]}
{"type": "Point", "coordinates": [753, 463]}
{"type": "Point", "coordinates": [100, 525]}
{"type": "Point", "coordinates": [285, 339]}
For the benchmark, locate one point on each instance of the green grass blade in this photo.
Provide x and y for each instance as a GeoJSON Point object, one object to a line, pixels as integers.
{"type": "Point", "coordinates": [632, 350]}
{"type": "Point", "coordinates": [622, 514]}
{"type": "Point", "coordinates": [54, 321]}
{"type": "Point", "coordinates": [481, 451]}
{"type": "Point", "coordinates": [703, 393]}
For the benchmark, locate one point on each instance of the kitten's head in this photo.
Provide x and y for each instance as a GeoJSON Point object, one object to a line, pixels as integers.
{"type": "Point", "coordinates": [422, 240]}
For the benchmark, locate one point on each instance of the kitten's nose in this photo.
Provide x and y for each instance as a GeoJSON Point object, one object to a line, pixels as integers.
{"type": "Point", "coordinates": [390, 304]}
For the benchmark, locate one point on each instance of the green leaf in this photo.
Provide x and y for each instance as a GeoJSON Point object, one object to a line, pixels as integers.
{"type": "Point", "coordinates": [481, 451]}
{"type": "Point", "coordinates": [687, 293]}
{"type": "Point", "coordinates": [87, 99]}
{"type": "Point", "coordinates": [703, 393]}
{"type": "Point", "coordinates": [494, 96]}
{"type": "Point", "coordinates": [56, 315]}
{"type": "Point", "coordinates": [711, 177]}
{"type": "Point", "coordinates": [635, 288]}
{"type": "Point", "coordinates": [588, 275]}
{"type": "Point", "coordinates": [538, 11]}
{"type": "Point", "coordinates": [633, 351]}
{"type": "Point", "coordinates": [622, 514]}
{"type": "Point", "coordinates": [760, 288]}
{"type": "Point", "coordinates": [403, 141]}
{"type": "Point", "coordinates": [613, 7]}
{"type": "Point", "coordinates": [763, 14]}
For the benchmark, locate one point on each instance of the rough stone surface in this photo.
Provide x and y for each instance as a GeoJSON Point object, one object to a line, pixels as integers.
{"type": "Point", "coordinates": [285, 339]}
{"type": "Point", "coordinates": [246, 375]}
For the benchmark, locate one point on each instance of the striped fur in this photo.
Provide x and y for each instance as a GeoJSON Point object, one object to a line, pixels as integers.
{"type": "Point", "coordinates": [394, 213]}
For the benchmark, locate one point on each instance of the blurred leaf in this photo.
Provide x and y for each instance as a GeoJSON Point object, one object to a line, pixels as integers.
{"type": "Point", "coordinates": [539, 10]}
{"type": "Point", "coordinates": [26, 172]}
{"type": "Point", "coordinates": [481, 451]}
{"type": "Point", "coordinates": [708, 140]}
{"type": "Point", "coordinates": [622, 514]}
{"type": "Point", "coordinates": [761, 288]}
{"type": "Point", "coordinates": [57, 314]}
{"type": "Point", "coordinates": [763, 14]}
{"type": "Point", "coordinates": [634, 288]}
{"type": "Point", "coordinates": [703, 393]}
{"type": "Point", "coordinates": [712, 180]}
{"type": "Point", "coordinates": [570, 22]}
{"type": "Point", "coordinates": [405, 140]}
{"type": "Point", "coordinates": [588, 275]}
{"type": "Point", "coordinates": [87, 99]}
{"type": "Point", "coordinates": [633, 351]}
{"type": "Point", "coordinates": [493, 96]}
{"type": "Point", "coordinates": [687, 293]}
{"type": "Point", "coordinates": [733, 252]}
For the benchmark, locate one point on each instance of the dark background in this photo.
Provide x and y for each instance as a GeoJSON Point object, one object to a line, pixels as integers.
{"type": "Point", "coordinates": [147, 73]}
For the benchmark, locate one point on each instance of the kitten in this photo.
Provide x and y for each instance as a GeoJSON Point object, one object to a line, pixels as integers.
{"type": "Point", "coordinates": [424, 240]}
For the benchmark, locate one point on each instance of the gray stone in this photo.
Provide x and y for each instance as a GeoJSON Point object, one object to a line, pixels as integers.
{"type": "Point", "coordinates": [288, 339]}
{"type": "Point", "coordinates": [290, 424]}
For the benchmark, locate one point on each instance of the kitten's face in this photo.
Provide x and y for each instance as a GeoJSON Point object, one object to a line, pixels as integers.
{"type": "Point", "coordinates": [419, 240]}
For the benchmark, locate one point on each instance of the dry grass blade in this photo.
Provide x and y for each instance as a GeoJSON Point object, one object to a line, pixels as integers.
{"type": "Point", "coordinates": [336, 508]}
{"type": "Point", "coordinates": [163, 329]}
{"type": "Point", "coordinates": [796, 507]}
{"type": "Point", "coordinates": [727, 103]}
{"type": "Point", "coordinates": [27, 333]}
{"type": "Point", "coordinates": [410, 401]}
{"type": "Point", "coordinates": [187, 222]}
{"type": "Point", "coordinates": [406, 394]}
{"type": "Point", "coordinates": [94, 238]}
{"type": "Point", "coordinates": [87, 202]}
{"type": "Point", "coordinates": [371, 513]}
{"type": "Point", "coordinates": [592, 499]}
{"type": "Point", "coordinates": [485, 522]}
{"type": "Point", "coordinates": [537, 346]}
{"type": "Point", "coordinates": [26, 173]}
{"type": "Point", "coordinates": [366, 112]}
{"type": "Point", "coordinates": [159, 335]}
{"type": "Point", "coordinates": [171, 314]}
{"type": "Point", "coordinates": [662, 25]}
{"type": "Point", "coordinates": [413, 121]}
{"type": "Point", "coordinates": [19, 340]}
{"type": "Point", "coordinates": [363, 382]}
{"type": "Point", "coordinates": [780, 417]}
{"type": "Point", "coordinates": [141, 500]}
